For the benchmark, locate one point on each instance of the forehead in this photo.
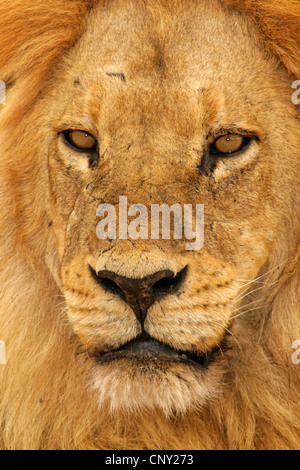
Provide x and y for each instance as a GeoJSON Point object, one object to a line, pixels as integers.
{"type": "Point", "coordinates": [171, 52]}
{"type": "Point", "coordinates": [187, 41]}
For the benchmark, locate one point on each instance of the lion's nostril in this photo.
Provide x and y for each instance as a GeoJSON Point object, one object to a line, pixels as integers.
{"type": "Point", "coordinates": [167, 285]}
{"type": "Point", "coordinates": [112, 286]}
{"type": "Point", "coordinates": [140, 294]}
{"type": "Point", "coordinates": [107, 283]}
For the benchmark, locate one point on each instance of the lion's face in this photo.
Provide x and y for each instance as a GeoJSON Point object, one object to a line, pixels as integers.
{"type": "Point", "coordinates": [157, 100]}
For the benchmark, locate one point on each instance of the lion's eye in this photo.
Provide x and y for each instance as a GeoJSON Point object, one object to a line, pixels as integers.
{"type": "Point", "coordinates": [80, 140]}
{"type": "Point", "coordinates": [229, 144]}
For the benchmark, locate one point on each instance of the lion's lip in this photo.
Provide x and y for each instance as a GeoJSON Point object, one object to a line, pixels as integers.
{"type": "Point", "coordinates": [144, 346]}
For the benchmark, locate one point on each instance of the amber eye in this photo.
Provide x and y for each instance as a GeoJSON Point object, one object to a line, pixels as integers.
{"type": "Point", "coordinates": [81, 141]}
{"type": "Point", "coordinates": [230, 143]}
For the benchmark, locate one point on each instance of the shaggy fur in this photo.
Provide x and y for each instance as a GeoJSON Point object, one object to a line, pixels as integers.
{"type": "Point", "coordinates": [245, 282]}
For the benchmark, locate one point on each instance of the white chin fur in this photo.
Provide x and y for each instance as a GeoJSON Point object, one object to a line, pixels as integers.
{"type": "Point", "coordinates": [130, 387]}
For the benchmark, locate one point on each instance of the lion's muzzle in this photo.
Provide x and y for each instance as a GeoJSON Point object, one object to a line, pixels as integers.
{"type": "Point", "coordinates": [145, 347]}
{"type": "Point", "coordinates": [140, 294]}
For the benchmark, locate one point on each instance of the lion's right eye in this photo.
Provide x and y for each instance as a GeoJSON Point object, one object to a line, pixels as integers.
{"type": "Point", "coordinates": [78, 140]}
{"type": "Point", "coordinates": [230, 144]}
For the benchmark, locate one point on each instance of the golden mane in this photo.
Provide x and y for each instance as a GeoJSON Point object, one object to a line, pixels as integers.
{"type": "Point", "coordinates": [279, 21]}
{"type": "Point", "coordinates": [43, 400]}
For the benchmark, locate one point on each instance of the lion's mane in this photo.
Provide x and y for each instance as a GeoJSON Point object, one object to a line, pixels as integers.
{"type": "Point", "coordinates": [44, 403]}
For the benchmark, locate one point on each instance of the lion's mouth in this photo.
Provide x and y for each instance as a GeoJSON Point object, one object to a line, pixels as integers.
{"type": "Point", "coordinates": [146, 347]}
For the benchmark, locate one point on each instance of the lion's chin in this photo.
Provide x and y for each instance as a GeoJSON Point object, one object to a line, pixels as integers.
{"type": "Point", "coordinates": [146, 375]}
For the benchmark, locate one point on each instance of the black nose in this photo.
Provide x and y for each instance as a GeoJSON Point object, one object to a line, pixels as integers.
{"type": "Point", "coordinates": [140, 294]}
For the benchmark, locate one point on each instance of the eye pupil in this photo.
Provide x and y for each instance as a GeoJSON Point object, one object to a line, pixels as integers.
{"type": "Point", "coordinates": [80, 140]}
{"type": "Point", "coordinates": [229, 144]}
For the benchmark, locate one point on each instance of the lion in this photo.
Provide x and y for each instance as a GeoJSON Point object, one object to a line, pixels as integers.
{"type": "Point", "coordinates": [119, 342]}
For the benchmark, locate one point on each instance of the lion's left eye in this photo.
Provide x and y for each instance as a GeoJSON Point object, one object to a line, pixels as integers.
{"type": "Point", "coordinates": [230, 144]}
{"type": "Point", "coordinates": [79, 140]}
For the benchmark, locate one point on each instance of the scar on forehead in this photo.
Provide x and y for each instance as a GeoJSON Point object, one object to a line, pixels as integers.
{"type": "Point", "coordinates": [77, 83]}
{"type": "Point", "coordinates": [121, 76]}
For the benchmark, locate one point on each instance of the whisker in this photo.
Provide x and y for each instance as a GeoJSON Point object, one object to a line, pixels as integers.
{"type": "Point", "coordinates": [238, 299]}
{"type": "Point", "coordinates": [249, 281]}
{"type": "Point", "coordinates": [247, 311]}
{"type": "Point", "coordinates": [230, 332]}
{"type": "Point", "coordinates": [253, 302]}
{"type": "Point", "coordinates": [243, 296]}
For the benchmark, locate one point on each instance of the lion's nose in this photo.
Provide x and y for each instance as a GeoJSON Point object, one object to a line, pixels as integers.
{"type": "Point", "coordinates": [140, 294]}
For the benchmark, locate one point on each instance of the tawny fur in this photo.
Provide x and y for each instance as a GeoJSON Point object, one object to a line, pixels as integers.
{"type": "Point", "coordinates": [46, 397]}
